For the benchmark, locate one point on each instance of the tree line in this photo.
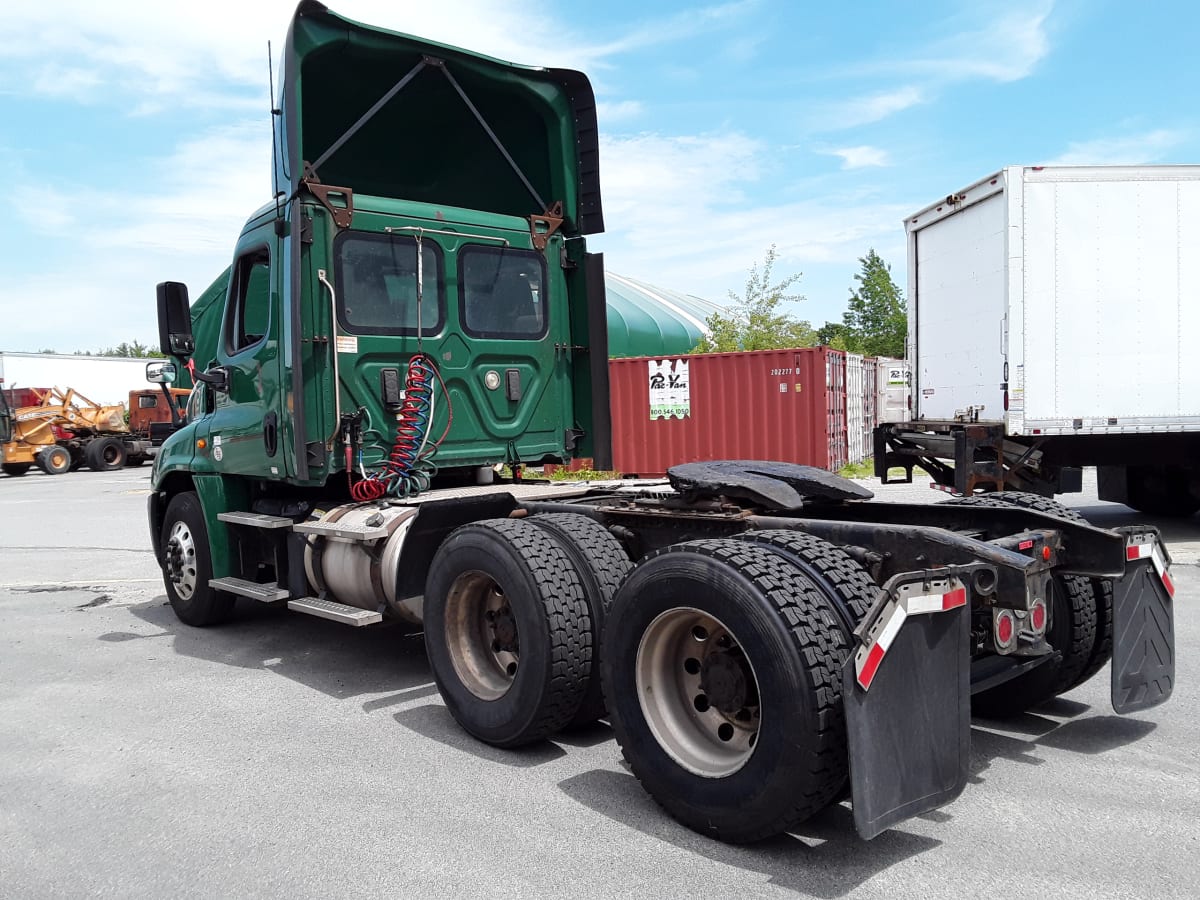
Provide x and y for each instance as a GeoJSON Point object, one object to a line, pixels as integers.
{"type": "Point", "coordinates": [874, 324]}
{"type": "Point", "coordinates": [133, 349]}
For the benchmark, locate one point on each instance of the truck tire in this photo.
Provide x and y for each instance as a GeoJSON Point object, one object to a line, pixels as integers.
{"type": "Point", "coordinates": [187, 565]}
{"type": "Point", "coordinates": [1072, 632]}
{"type": "Point", "coordinates": [54, 460]}
{"type": "Point", "coordinates": [15, 469]}
{"type": "Point", "coordinates": [851, 591]}
{"type": "Point", "coordinates": [1161, 491]}
{"type": "Point", "coordinates": [133, 460]}
{"type": "Point", "coordinates": [106, 454]}
{"type": "Point", "coordinates": [1102, 588]}
{"type": "Point", "coordinates": [507, 631]}
{"type": "Point", "coordinates": [601, 563]}
{"type": "Point", "coordinates": [723, 675]}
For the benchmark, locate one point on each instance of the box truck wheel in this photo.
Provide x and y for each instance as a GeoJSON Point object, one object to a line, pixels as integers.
{"type": "Point", "coordinates": [106, 454]}
{"type": "Point", "coordinates": [507, 631]}
{"type": "Point", "coordinates": [1075, 611]}
{"type": "Point", "coordinates": [54, 460]}
{"type": "Point", "coordinates": [1161, 491]}
{"type": "Point", "coordinates": [15, 469]}
{"type": "Point", "coordinates": [601, 563]}
{"type": "Point", "coordinates": [723, 675]}
{"type": "Point", "coordinates": [187, 565]}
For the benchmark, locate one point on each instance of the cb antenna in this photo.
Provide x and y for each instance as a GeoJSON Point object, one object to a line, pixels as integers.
{"type": "Point", "coordinates": [276, 113]}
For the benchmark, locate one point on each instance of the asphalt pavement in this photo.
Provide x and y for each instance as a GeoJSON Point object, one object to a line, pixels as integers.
{"type": "Point", "coordinates": [287, 756]}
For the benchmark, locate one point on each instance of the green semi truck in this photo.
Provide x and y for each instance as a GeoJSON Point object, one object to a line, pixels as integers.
{"type": "Point", "coordinates": [415, 312]}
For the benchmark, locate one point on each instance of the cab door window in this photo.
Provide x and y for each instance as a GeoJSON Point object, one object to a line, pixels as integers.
{"type": "Point", "coordinates": [249, 311]}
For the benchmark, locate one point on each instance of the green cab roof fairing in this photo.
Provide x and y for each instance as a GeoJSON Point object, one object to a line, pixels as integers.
{"type": "Point", "coordinates": [426, 143]}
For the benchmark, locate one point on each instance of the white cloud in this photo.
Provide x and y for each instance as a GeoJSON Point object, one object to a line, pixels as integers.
{"type": "Point", "coordinates": [1129, 150]}
{"type": "Point", "coordinates": [865, 110]}
{"type": "Point", "coordinates": [1002, 49]}
{"type": "Point", "coordinates": [687, 222]}
{"type": "Point", "coordinates": [861, 157]}
{"type": "Point", "coordinates": [609, 112]}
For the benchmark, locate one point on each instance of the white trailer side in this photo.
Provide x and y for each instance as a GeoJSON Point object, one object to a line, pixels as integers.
{"type": "Point", "coordinates": [102, 379]}
{"type": "Point", "coordinates": [1052, 310]}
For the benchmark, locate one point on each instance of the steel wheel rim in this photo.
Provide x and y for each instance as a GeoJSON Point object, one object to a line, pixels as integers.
{"type": "Point", "coordinates": [181, 560]}
{"type": "Point", "coordinates": [481, 635]}
{"type": "Point", "coordinates": [685, 657]}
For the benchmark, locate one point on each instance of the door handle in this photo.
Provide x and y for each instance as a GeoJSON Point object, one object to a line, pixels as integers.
{"type": "Point", "coordinates": [270, 432]}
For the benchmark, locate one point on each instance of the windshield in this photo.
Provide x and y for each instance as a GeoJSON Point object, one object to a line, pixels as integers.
{"type": "Point", "coordinates": [192, 412]}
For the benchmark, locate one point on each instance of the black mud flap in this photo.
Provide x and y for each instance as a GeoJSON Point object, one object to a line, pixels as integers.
{"type": "Point", "coordinates": [910, 733]}
{"type": "Point", "coordinates": [1143, 661]}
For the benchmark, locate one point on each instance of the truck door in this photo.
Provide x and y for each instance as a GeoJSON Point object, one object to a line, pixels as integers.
{"type": "Point", "coordinates": [243, 428]}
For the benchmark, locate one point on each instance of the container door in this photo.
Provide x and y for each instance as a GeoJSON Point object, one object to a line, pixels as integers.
{"type": "Point", "coordinates": [961, 300]}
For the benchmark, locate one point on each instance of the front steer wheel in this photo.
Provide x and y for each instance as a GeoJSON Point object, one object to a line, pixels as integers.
{"type": "Point", "coordinates": [187, 566]}
{"type": "Point", "coordinates": [722, 668]}
{"type": "Point", "coordinates": [507, 631]}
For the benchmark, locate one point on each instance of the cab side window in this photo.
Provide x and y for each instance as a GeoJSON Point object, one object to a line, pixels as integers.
{"type": "Point", "coordinates": [249, 312]}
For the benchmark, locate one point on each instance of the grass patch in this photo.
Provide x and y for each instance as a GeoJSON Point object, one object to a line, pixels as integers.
{"type": "Point", "coordinates": [582, 475]}
{"type": "Point", "coordinates": [866, 469]}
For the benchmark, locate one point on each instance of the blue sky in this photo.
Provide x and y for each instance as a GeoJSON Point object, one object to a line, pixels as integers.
{"type": "Point", "coordinates": [135, 137]}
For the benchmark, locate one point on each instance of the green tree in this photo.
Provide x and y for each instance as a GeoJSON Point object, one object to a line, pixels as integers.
{"type": "Point", "coordinates": [134, 349]}
{"type": "Point", "coordinates": [832, 334]}
{"type": "Point", "coordinates": [876, 322]}
{"type": "Point", "coordinates": [754, 320]}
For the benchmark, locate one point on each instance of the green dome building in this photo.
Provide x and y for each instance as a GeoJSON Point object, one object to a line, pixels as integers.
{"type": "Point", "coordinates": [644, 320]}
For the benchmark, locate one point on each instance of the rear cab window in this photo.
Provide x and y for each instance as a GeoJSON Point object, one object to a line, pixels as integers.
{"type": "Point", "coordinates": [502, 292]}
{"type": "Point", "coordinates": [376, 280]}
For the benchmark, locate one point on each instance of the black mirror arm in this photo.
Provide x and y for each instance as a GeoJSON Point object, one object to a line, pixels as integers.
{"type": "Point", "coordinates": [217, 377]}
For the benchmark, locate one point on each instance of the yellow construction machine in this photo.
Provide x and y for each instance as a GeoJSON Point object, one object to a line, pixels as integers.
{"type": "Point", "coordinates": [64, 432]}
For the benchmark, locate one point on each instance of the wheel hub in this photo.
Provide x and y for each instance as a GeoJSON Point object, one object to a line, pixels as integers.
{"type": "Point", "coordinates": [179, 560]}
{"type": "Point", "coordinates": [504, 627]}
{"type": "Point", "coordinates": [723, 679]}
{"type": "Point", "coordinates": [698, 692]}
{"type": "Point", "coordinates": [481, 635]}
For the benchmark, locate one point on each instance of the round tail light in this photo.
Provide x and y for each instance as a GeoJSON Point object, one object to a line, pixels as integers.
{"type": "Point", "coordinates": [1037, 616]}
{"type": "Point", "coordinates": [1005, 628]}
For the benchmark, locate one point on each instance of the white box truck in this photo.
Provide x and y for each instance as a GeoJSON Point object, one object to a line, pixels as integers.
{"type": "Point", "coordinates": [1051, 315]}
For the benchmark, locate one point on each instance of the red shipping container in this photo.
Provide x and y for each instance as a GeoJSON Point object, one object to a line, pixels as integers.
{"type": "Point", "coordinates": [23, 396]}
{"type": "Point", "coordinates": [786, 405]}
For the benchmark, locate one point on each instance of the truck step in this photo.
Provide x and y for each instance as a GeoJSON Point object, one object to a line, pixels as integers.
{"type": "Point", "coordinates": [345, 532]}
{"type": "Point", "coordinates": [338, 612]}
{"type": "Point", "coordinates": [256, 520]}
{"type": "Point", "coordinates": [252, 589]}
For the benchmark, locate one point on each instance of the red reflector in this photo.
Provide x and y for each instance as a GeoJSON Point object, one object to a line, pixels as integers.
{"type": "Point", "coordinates": [1046, 554]}
{"type": "Point", "coordinates": [1038, 616]}
{"type": "Point", "coordinates": [1168, 584]}
{"type": "Point", "coordinates": [1132, 552]}
{"type": "Point", "coordinates": [1024, 545]}
{"type": "Point", "coordinates": [954, 599]}
{"type": "Point", "coordinates": [1004, 630]}
{"type": "Point", "coordinates": [874, 658]}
